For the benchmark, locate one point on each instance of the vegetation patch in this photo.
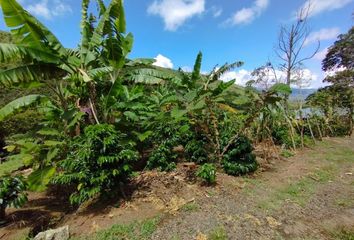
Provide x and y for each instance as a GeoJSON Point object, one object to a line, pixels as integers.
{"type": "Point", "coordinates": [134, 231]}
{"type": "Point", "coordinates": [218, 233]}
{"type": "Point", "coordinates": [298, 192]}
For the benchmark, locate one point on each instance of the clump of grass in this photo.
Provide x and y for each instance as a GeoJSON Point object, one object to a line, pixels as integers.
{"type": "Point", "coordinates": [218, 233]}
{"type": "Point", "coordinates": [286, 153]}
{"type": "Point", "coordinates": [301, 191]}
{"type": "Point", "coordinates": [190, 207]}
{"type": "Point", "coordinates": [134, 231]}
{"type": "Point", "coordinates": [343, 234]}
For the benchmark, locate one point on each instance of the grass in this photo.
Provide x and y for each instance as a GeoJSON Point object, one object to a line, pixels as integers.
{"type": "Point", "coordinates": [10, 166]}
{"type": "Point", "coordinates": [343, 234]}
{"type": "Point", "coordinates": [190, 207]}
{"type": "Point", "coordinates": [300, 191]}
{"type": "Point", "coordinates": [218, 233]}
{"type": "Point", "coordinates": [286, 153]}
{"type": "Point", "coordinates": [134, 231]}
{"type": "Point", "coordinates": [345, 202]}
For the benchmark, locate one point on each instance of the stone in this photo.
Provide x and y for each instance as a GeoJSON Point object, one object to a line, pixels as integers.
{"type": "Point", "coordinates": [54, 234]}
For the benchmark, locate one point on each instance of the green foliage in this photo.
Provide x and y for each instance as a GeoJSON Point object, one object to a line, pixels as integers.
{"type": "Point", "coordinates": [239, 159]}
{"type": "Point", "coordinates": [8, 167]}
{"type": "Point", "coordinates": [162, 158]}
{"type": "Point", "coordinates": [166, 137]}
{"type": "Point", "coordinates": [218, 233]}
{"type": "Point", "coordinates": [286, 153]}
{"type": "Point", "coordinates": [207, 172]}
{"type": "Point", "coordinates": [98, 161]}
{"type": "Point", "coordinates": [196, 151]}
{"type": "Point", "coordinates": [17, 104]}
{"type": "Point", "coordinates": [11, 193]}
{"type": "Point", "coordinates": [341, 53]}
{"type": "Point", "coordinates": [134, 231]}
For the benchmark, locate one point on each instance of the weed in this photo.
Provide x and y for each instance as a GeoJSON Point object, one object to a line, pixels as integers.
{"type": "Point", "coordinates": [134, 231]}
{"type": "Point", "coordinates": [286, 153]}
{"type": "Point", "coordinates": [190, 207]}
{"type": "Point", "coordinates": [218, 233]}
{"type": "Point", "coordinates": [343, 234]}
{"type": "Point", "coordinates": [301, 191]}
{"type": "Point", "coordinates": [207, 172]}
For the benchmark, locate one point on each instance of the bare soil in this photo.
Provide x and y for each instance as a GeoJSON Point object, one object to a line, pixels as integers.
{"type": "Point", "coordinates": [308, 196]}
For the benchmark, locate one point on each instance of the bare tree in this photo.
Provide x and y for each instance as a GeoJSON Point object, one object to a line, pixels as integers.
{"type": "Point", "coordinates": [291, 42]}
{"type": "Point", "coordinates": [265, 76]}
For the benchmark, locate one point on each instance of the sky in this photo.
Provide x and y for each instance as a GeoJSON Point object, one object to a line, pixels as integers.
{"type": "Point", "coordinates": [174, 31]}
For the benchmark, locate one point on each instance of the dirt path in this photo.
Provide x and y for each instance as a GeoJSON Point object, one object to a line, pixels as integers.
{"type": "Point", "coordinates": [309, 196]}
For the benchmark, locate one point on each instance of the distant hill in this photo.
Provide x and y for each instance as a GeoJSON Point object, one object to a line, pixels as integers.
{"type": "Point", "coordinates": [301, 93]}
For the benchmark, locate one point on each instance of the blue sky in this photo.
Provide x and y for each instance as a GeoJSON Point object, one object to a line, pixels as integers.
{"type": "Point", "coordinates": [224, 30]}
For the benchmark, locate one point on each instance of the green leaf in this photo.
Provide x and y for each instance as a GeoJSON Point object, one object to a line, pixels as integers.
{"type": "Point", "coordinates": [143, 136]}
{"type": "Point", "coordinates": [51, 143]}
{"type": "Point", "coordinates": [131, 116]}
{"type": "Point", "coordinates": [48, 132]}
{"type": "Point", "coordinates": [281, 88]}
{"type": "Point", "coordinates": [17, 104]}
{"type": "Point", "coordinates": [28, 30]}
{"type": "Point", "coordinates": [39, 179]}
{"type": "Point", "coordinates": [178, 113]}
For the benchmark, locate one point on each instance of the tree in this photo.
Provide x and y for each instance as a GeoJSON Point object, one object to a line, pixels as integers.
{"type": "Point", "coordinates": [340, 59]}
{"type": "Point", "coordinates": [291, 42]}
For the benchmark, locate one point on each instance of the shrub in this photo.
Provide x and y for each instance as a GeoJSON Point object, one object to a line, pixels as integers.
{"type": "Point", "coordinates": [196, 151]}
{"type": "Point", "coordinates": [207, 172]}
{"type": "Point", "coordinates": [167, 136]}
{"type": "Point", "coordinates": [162, 158]}
{"type": "Point", "coordinates": [239, 159]}
{"type": "Point", "coordinates": [99, 160]}
{"type": "Point", "coordinates": [11, 194]}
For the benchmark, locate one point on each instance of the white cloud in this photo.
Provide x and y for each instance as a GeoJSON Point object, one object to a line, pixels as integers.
{"type": "Point", "coordinates": [334, 71]}
{"type": "Point", "coordinates": [319, 6]}
{"type": "Point", "coordinates": [323, 34]}
{"type": "Point", "coordinates": [162, 61]}
{"type": "Point", "coordinates": [49, 8]}
{"type": "Point", "coordinates": [187, 69]}
{"type": "Point", "coordinates": [242, 76]}
{"type": "Point", "coordinates": [247, 15]}
{"type": "Point", "coordinates": [216, 11]}
{"type": "Point", "coordinates": [176, 12]}
{"type": "Point", "coordinates": [321, 54]}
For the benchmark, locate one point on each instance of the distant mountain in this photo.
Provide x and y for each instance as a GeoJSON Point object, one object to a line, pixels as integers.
{"type": "Point", "coordinates": [301, 93]}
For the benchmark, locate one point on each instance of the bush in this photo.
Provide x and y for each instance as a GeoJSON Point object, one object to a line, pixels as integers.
{"type": "Point", "coordinates": [99, 160]}
{"type": "Point", "coordinates": [11, 194]}
{"type": "Point", "coordinates": [239, 159]}
{"type": "Point", "coordinates": [207, 172]}
{"type": "Point", "coordinates": [196, 152]}
{"type": "Point", "coordinates": [162, 158]}
{"type": "Point", "coordinates": [167, 136]}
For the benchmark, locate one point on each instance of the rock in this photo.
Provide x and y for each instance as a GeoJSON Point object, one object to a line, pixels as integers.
{"type": "Point", "coordinates": [54, 234]}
